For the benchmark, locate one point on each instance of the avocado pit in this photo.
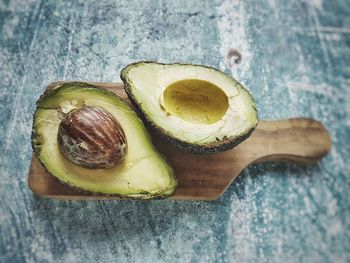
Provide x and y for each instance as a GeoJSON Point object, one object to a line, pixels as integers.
{"type": "Point", "coordinates": [91, 137]}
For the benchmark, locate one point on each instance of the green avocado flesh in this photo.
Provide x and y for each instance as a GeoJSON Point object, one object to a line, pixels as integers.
{"type": "Point", "coordinates": [143, 174]}
{"type": "Point", "coordinates": [198, 108]}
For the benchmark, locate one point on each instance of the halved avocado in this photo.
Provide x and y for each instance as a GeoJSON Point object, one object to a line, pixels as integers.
{"type": "Point", "coordinates": [143, 174]}
{"type": "Point", "coordinates": [199, 109]}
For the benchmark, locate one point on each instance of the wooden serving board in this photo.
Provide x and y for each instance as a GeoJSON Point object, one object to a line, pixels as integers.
{"type": "Point", "coordinates": [205, 177]}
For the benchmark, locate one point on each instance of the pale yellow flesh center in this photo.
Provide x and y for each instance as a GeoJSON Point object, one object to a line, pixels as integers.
{"type": "Point", "coordinates": [195, 101]}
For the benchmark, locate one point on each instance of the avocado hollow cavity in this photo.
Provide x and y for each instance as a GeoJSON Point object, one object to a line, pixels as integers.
{"type": "Point", "coordinates": [195, 101]}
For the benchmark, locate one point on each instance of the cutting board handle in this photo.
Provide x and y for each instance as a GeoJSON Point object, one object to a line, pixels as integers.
{"type": "Point", "coordinates": [300, 140]}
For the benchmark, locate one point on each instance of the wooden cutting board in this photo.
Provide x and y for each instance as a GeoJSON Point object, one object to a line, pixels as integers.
{"type": "Point", "coordinates": [300, 140]}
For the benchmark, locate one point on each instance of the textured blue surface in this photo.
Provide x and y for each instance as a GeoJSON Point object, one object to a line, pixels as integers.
{"type": "Point", "coordinates": [295, 61]}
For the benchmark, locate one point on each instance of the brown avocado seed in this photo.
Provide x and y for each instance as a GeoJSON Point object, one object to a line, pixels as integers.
{"type": "Point", "coordinates": [91, 137]}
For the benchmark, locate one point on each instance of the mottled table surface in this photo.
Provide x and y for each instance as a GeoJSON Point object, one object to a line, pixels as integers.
{"type": "Point", "coordinates": [294, 56]}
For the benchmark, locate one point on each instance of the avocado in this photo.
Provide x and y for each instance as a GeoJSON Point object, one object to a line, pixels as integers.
{"type": "Point", "coordinates": [198, 108]}
{"type": "Point", "coordinates": [138, 172]}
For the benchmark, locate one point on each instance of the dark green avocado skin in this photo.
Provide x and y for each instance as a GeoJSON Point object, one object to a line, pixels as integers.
{"type": "Point", "coordinates": [207, 149]}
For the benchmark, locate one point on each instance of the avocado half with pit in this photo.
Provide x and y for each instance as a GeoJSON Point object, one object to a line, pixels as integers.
{"type": "Point", "coordinates": [199, 109]}
{"type": "Point", "coordinates": [92, 140]}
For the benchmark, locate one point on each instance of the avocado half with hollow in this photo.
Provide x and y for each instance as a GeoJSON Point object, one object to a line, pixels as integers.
{"type": "Point", "coordinates": [198, 108]}
{"type": "Point", "coordinates": [92, 140]}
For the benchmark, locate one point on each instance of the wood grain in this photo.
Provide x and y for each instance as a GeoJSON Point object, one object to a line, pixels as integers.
{"type": "Point", "coordinates": [300, 140]}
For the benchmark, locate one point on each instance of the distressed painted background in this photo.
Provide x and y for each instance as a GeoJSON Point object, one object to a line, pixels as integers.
{"type": "Point", "coordinates": [296, 62]}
